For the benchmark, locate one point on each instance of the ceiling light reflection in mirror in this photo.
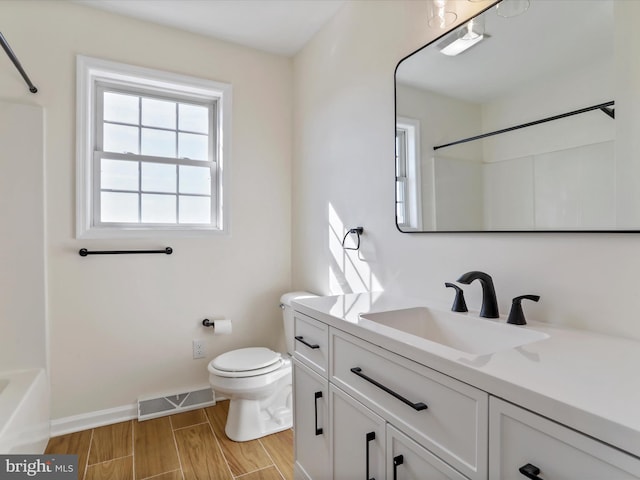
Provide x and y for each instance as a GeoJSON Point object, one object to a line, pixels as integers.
{"type": "Point", "coordinates": [441, 13]}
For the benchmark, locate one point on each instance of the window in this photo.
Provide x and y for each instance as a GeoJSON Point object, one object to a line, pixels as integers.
{"type": "Point", "coordinates": [408, 197]}
{"type": "Point", "coordinates": [401, 177]}
{"type": "Point", "coordinates": [151, 147]}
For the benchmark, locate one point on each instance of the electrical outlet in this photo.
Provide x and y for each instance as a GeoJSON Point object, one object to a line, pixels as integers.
{"type": "Point", "coordinates": [199, 350]}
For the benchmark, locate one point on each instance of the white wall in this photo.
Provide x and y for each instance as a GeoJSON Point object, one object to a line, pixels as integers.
{"type": "Point", "coordinates": [122, 326]}
{"type": "Point", "coordinates": [344, 122]}
{"type": "Point", "coordinates": [22, 266]}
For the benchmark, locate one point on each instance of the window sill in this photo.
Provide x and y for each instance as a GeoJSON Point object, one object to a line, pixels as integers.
{"type": "Point", "coordinates": [119, 233]}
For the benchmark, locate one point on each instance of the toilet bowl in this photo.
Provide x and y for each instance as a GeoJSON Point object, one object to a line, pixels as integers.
{"type": "Point", "coordinates": [258, 383]}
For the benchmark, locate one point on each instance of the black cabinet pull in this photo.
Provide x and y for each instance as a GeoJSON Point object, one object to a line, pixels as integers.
{"type": "Point", "coordinates": [416, 406]}
{"type": "Point", "coordinates": [369, 437]}
{"type": "Point", "coordinates": [316, 396]}
{"type": "Point", "coordinates": [301, 340]}
{"type": "Point", "coordinates": [399, 460]}
{"type": "Point", "coordinates": [530, 471]}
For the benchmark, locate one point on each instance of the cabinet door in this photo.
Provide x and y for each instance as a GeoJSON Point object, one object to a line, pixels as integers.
{"type": "Point", "coordinates": [311, 425]}
{"type": "Point", "coordinates": [525, 445]}
{"type": "Point", "coordinates": [406, 460]}
{"type": "Point", "coordinates": [358, 439]}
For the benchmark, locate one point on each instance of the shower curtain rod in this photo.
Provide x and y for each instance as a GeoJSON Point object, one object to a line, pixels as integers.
{"type": "Point", "coordinates": [16, 62]}
{"type": "Point", "coordinates": [602, 106]}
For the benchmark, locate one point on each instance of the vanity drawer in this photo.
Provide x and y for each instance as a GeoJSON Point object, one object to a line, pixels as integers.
{"type": "Point", "coordinates": [519, 438]}
{"type": "Point", "coordinates": [311, 343]}
{"type": "Point", "coordinates": [446, 416]}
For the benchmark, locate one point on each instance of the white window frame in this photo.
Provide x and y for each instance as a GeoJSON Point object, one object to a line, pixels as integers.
{"type": "Point", "coordinates": [91, 74]}
{"type": "Point", "coordinates": [412, 181]}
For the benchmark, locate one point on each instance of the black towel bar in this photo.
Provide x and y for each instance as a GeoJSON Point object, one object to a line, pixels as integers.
{"type": "Point", "coordinates": [84, 252]}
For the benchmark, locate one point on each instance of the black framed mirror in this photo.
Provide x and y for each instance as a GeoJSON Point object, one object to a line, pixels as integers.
{"type": "Point", "coordinates": [530, 128]}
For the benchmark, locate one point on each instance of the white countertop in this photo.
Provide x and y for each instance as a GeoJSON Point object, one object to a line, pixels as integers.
{"type": "Point", "coordinates": [584, 380]}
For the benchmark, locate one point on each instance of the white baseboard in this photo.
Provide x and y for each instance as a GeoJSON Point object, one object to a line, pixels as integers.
{"type": "Point", "coordinates": [85, 421]}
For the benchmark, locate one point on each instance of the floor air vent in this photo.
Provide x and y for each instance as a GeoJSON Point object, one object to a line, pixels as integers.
{"type": "Point", "coordinates": [155, 407]}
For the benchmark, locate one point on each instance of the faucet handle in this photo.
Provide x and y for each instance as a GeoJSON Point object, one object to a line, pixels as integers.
{"type": "Point", "coordinates": [459, 305]}
{"type": "Point", "coordinates": [516, 315]}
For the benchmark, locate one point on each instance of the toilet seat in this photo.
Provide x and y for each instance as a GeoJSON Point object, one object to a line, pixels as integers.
{"type": "Point", "coordinates": [246, 362]}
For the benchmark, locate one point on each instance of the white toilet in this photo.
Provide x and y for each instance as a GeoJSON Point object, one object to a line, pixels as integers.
{"type": "Point", "coordinates": [257, 381]}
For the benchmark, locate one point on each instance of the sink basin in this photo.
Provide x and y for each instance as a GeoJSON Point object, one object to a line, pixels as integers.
{"type": "Point", "coordinates": [462, 332]}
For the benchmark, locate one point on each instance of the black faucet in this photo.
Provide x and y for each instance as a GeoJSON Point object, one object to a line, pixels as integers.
{"type": "Point", "coordinates": [489, 301]}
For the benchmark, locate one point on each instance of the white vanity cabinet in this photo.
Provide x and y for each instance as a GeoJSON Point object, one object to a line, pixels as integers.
{"type": "Point", "coordinates": [526, 445]}
{"type": "Point", "coordinates": [373, 396]}
{"type": "Point", "coordinates": [388, 415]}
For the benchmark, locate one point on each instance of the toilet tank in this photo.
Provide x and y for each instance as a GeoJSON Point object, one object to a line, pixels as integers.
{"type": "Point", "coordinates": [287, 315]}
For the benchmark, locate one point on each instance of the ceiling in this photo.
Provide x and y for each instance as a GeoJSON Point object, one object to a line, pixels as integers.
{"type": "Point", "coordinates": [277, 26]}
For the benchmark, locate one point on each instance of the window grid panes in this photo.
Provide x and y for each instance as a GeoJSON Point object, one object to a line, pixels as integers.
{"type": "Point", "coordinates": [154, 193]}
{"type": "Point", "coordinates": [155, 159]}
{"type": "Point", "coordinates": [152, 126]}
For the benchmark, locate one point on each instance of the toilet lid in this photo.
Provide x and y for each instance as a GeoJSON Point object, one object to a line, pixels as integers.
{"type": "Point", "coordinates": [245, 359]}
{"type": "Point", "coordinates": [249, 373]}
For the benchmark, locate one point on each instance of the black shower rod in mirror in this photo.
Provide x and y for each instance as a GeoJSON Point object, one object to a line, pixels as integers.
{"type": "Point", "coordinates": [83, 252]}
{"type": "Point", "coordinates": [605, 107]}
{"type": "Point", "coordinates": [16, 62]}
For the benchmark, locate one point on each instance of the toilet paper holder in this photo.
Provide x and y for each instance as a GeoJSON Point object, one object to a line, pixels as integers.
{"type": "Point", "coordinates": [221, 326]}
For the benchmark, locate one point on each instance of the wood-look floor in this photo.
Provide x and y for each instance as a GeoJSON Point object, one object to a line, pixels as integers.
{"type": "Point", "coordinates": [189, 445]}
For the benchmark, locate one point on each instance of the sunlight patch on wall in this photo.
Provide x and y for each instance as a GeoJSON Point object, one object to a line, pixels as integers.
{"type": "Point", "coordinates": [349, 271]}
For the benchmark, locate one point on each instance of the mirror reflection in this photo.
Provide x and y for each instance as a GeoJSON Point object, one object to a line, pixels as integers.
{"type": "Point", "coordinates": [550, 92]}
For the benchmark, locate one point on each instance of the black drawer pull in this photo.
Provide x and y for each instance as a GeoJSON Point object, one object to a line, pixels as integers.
{"type": "Point", "coordinates": [316, 396]}
{"type": "Point", "coordinates": [399, 460]}
{"type": "Point", "coordinates": [301, 340]}
{"type": "Point", "coordinates": [530, 471]}
{"type": "Point", "coordinates": [416, 406]}
{"type": "Point", "coordinates": [369, 437]}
